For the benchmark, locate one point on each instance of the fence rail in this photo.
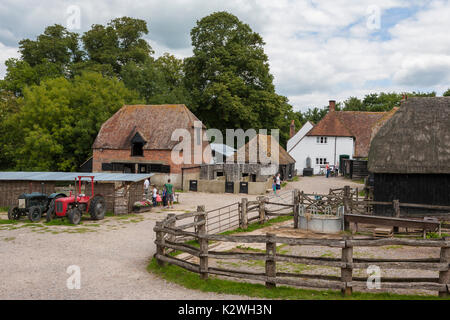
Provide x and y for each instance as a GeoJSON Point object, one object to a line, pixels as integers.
{"type": "Point", "coordinates": [167, 232]}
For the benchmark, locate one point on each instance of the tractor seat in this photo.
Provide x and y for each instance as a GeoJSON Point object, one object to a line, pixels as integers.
{"type": "Point", "coordinates": [81, 195]}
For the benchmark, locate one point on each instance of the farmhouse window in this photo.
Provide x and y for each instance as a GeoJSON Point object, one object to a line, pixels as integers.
{"type": "Point", "coordinates": [137, 145]}
{"type": "Point", "coordinates": [137, 150]}
{"type": "Point", "coordinates": [322, 140]}
{"type": "Point", "coordinates": [321, 160]}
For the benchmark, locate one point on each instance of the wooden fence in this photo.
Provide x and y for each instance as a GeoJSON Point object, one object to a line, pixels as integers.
{"type": "Point", "coordinates": [170, 236]}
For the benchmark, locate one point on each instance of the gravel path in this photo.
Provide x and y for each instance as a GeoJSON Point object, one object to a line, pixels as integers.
{"type": "Point", "coordinates": [112, 260]}
{"type": "Point", "coordinates": [112, 254]}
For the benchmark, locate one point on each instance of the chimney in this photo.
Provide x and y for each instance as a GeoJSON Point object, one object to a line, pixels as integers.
{"type": "Point", "coordinates": [332, 106]}
{"type": "Point", "coordinates": [292, 131]}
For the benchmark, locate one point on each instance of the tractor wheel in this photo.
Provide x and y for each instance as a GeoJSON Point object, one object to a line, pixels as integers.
{"type": "Point", "coordinates": [74, 215]}
{"type": "Point", "coordinates": [34, 214]}
{"type": "Point", "coordinates": [14, 213]}
{"type": "Point", "coordinates": [97, 208]}
{"type": "Point", "coordinates": [51, 209]}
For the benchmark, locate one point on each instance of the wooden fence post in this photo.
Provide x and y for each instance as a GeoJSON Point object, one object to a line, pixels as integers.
{"type": "Point", "coordinates": [347, 271]}
{"type": "Point", "coordinates": [396, 205]}
{"type": "Point", "coordinates": [159, 243]}
{"type": "Point", "coordinates": [444, 276]}
{"type": "Point", "coordinates": [271, 268]}
{"type": "Point", "coordinates": [346, 201]}
{"type": "Point", "coordinates": [171, 224]}
{"type": "Point", "coordinates": [244, 213]}
{"type": "Point", "coordinates": [262, 209]}
{"type": "Point", "coordinates": [203, 243]}
{"type": "Point", "coordinates": [296, 198]}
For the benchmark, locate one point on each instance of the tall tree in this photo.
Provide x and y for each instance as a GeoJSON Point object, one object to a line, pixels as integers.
{"type": "Point", "coordinates": [158, 81]}
{"type": "Point", "coordinates": [118, 43]}
{"type": "Point", "coordinates": [229, 79]}
{"type": "Point", "coordinates": [60, 118]}
{"type": "Point", "coordinates": [447, 93]}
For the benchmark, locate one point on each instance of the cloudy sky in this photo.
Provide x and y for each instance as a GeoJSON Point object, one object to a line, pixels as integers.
{"type": "Point", "coordinates": [318, 50]}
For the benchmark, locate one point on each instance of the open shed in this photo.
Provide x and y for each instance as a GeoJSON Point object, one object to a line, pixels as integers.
{"type": "Point", "coordinates": [120, 190]}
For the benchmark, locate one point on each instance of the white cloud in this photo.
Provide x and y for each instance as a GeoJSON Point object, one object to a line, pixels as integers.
{"type": "Point", "coordinates": [318, 50]}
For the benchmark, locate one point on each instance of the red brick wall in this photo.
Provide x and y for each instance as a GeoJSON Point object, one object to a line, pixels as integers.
{"type": "Point", "coordinates": [150, 156]}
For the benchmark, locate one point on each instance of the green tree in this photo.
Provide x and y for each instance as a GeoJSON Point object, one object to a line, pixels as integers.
{"type": "Point", "coordinates": [60, 118]}
{"type": "Point", "coordinates": [229, 80]}
{"type": "Point", "coordinates": [447, 93]}
{"type": "Point", "coordinates": [158, 81]}
{"type": "Point", "coordinates": [117, 44]}
{"type": "Point", "coordinates": [9, 106]}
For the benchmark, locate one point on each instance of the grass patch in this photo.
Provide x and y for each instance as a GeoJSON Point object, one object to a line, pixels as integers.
{"type": "Point", "coordinates": [5, 221]}
{"type": "Point", "coordinates": [4, 209]}
{"type": "Point", "coordinates": [435, 235]}
{"type": "Point", "coordinates": [9, 239]}
{"type": "Point", "coordinates": [256, 226]}
{"type": "Point", "coordinates": [192, 280]}
{"type": "Point", "coordinates": [394, 247]}
{"type": "Point", "coordinates": [61, 222]}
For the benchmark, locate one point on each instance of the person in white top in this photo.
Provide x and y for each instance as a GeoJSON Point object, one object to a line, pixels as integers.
{"type": "Point", "coordinates": [146, 186]}
{"type": "Point", "coordinates": [154, 194]}
{"type": "Point", "coordinates": [278, 182]}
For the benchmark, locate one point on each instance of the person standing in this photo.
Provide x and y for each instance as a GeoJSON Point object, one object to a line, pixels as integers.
{"type": "Point", "coordinates": [169, 190]}
{"type": "Point", "coordinates": [274, 185]}
{"type": "Point", "coordinates": [154, 195]}
{"type": "Point", "coordinates": [164, 197]}
{"type": "Point", "coordinates": [327, 167]}
{"type": "Point", "coordinates": [278, 182]}
{"type": "Point", "coordinates": [146, 187]}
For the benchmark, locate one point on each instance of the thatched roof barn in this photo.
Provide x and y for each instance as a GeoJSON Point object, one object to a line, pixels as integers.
{"type": "Point", "coordinates": [410, 154]}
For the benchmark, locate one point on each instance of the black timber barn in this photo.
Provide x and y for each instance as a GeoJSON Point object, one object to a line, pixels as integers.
{"type": "Point", "coordinates": [410, 157]}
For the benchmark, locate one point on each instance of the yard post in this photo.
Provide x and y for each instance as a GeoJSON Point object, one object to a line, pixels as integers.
{"type": "Point", "coordinates": [396, 205]}
{"type": "Point", "coordinates": [296, 198]}
{"type": "Point", "coordinates": [244, 218]}
{"type": "Point", "coordinates": [347, 271]}
{"type": "Point", "coordinates": [203, 242]}
{"type": "Point", "coordinates": [262, 209]}
{"type": "Point", "coordinates": [271, 249]}
{"type": "Point", "coordinates": [444, 276]}
{"type": "Point", "coordinates": [159, 243]}
{"type": "Point", "coordinates": [346, 200]}
{"type": "Point", "coordinates": [171, 224]}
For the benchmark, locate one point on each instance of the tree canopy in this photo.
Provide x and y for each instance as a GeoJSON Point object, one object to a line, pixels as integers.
{"type": "Point", "coordinates": [229, 79]}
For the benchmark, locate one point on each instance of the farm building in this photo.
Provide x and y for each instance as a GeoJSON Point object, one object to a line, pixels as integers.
{"type": "Point", "coordinates": [120, 190]}
{"type": "Point", "coordinates": [138, 139]}
{"type": "Point", "coordinates": [339, 135]}
{"type": "Point", "coordinates": [265, 152]}
{"type": "Point", "coordinates": [410, 155]}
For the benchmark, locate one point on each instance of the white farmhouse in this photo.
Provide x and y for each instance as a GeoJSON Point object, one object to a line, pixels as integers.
{"type": "Point", "coordinates": [339, 134]}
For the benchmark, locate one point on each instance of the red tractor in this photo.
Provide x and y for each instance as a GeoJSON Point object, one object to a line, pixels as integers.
{"type": "Point", "coordinates": [75, 205]}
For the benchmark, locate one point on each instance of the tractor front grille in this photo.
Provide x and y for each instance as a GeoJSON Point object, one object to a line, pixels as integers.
{"type": "Point", "coordinates": [59, 207]}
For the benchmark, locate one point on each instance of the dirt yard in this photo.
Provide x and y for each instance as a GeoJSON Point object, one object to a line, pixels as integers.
{"type": "Point", "coordinates": [112, 254]}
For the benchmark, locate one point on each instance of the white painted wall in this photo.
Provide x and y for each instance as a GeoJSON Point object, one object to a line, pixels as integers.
{"type": "Point", "coordinates": [308, 147]}
{"type": "Point", "coordinates": [299, 135]}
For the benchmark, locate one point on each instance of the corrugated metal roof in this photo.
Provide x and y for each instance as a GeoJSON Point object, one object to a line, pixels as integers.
{"type": "Point", "coordinates": [70, 176]}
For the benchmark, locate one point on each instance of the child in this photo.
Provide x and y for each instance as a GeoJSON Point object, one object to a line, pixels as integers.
{"type": "Point", "coordinates": [274, 186]}
{"type": "Point", "coordinates": [158, 199]}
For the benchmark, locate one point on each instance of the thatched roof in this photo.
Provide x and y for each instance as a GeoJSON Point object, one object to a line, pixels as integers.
{"type": "Point", "coordinates": [153, 124]}
{"type": "Point", "coordinates": [415, 140]}
{"type": "Point", "coordinates": [277, 154]}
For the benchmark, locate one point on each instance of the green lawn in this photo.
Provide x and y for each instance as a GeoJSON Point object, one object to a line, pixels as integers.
{"type": "Point", "coordinates": [192, 280]}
